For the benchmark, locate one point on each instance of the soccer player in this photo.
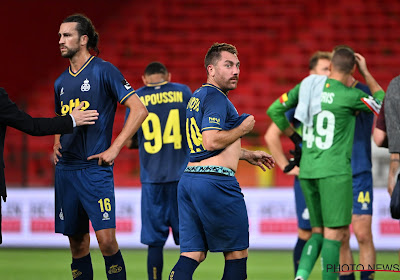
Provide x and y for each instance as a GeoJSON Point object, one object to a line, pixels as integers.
{"type": "Point", "coordinates": [164, 155]}
{"type": "Point", "coordinates": [212, 211]}
{"type": "Point", "coordinates": [361, 166]}
{"type": "Point", "coordinates": [84, 185]}
{"type": "Point", "coordinates": [326, 107]}
{"type": "Point", "coordinates": [318, 64]}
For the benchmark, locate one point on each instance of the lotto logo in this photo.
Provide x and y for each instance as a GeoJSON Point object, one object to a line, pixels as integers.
{"type": "Point", "coordinates": [67, 109]}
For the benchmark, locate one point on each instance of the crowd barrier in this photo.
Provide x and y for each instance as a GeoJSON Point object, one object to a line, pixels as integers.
{"type": "Point", "coordinates": [28, 219]}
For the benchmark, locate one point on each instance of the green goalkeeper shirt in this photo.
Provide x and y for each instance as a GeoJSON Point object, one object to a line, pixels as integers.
{"type": "Point", "coordinates": [327, 144]}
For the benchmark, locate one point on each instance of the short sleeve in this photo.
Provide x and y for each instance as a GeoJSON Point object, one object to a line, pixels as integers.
{"type": "Point", "coordinates": [118, 85]}
{"type": "Point", "coordinates": [215, 111]}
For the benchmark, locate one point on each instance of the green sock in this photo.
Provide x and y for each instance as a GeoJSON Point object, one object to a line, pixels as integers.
{"type": "Point", "coordinates": [330, 258]}
{"type": "Point", "coordinates": [309, 255]}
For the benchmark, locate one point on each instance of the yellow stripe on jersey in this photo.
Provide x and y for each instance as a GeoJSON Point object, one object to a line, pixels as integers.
{"type": "Point", "coordinates": [209, 85]}
{"type": "Point", "coordinates": [211, 127]}
{"type": "Point", "coordinates": [126, 96]}
{"type": "Point", "coordinates": [354, 84]}
{"type": "Point", "coordinates": [80, 70]}
{"type": "Point", "coordinates": [157, 84]}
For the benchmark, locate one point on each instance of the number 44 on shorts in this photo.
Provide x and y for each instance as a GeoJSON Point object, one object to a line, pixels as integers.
{"type": "Point", "coordinates": [363, 198]}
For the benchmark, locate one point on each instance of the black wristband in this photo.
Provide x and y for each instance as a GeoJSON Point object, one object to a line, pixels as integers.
{"type": "Point", "coordinates": [296, 138]}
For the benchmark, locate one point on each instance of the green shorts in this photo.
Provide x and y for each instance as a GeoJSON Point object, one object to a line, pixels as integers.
{"type": "Point", "coordinates": [329, 200]}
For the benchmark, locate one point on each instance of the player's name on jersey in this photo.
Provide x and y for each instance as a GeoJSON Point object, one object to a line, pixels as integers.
{"type": "Point", "coordinates": [327, 97]}
{"type": "Point", "coordinates": [162, 97]}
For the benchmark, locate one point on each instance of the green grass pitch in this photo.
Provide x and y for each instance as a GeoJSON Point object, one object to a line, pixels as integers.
{"type": "Point", "coordinates": [43, 264]}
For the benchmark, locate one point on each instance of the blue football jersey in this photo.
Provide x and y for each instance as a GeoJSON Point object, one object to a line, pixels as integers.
{"type": "Point", "coordinates": [208, 109]}
{"type": "Point", "coordinates": [162, 141]}
{"type": "Point", "coordinates": [100, 85]}
{"type": "Point", "coordinates": [361, 155]}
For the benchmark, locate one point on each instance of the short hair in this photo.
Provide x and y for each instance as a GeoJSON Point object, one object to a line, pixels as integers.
{"type": "Point", "coordinates": [342, 47]}
{"type": "Point", "coordinates": [214, 53]}
{"type": "Point", "coordinates": [316, 57]}
{"type": "Point", "coordinates": [85, 27]}
{"type": "Point", "coordinates": [155, 67]}
{"type": "Point", "coordinates": [343, 59]}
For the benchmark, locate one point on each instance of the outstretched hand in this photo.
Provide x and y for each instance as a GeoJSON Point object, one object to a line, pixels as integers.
{"type": "Point", "coordinates": [261, 159]}
{"type": "Point", "coordinates": [87, 117]}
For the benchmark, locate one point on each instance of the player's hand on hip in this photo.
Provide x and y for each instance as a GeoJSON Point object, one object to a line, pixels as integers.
{"type": "Point", "coordinates": [292, 170]}
{"type": "Point", "coordinates": [87, 117]}
{"type": "Point", "coordinates": [248, 124]}
{"type": "Point", "coordinates": [56, 152]}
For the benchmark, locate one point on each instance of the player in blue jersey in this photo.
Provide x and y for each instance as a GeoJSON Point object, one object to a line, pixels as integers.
{"type": "Point", "coordinates": [318, 64]}
{"type": "Point", "coordinates": [361, 166]}
{"type": "Point", "coordinates": [84, 185]}
{"type": "Point", "coordinates": [212, 211]}
{"type": "Point", "coordinates": [163, 155]}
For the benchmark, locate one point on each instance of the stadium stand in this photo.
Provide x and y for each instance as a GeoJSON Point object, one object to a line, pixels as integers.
{"type": "Point", "coordinates": [274, 39]}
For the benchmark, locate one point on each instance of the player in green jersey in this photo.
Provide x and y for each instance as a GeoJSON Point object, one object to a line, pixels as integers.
{"type": "Point", "coordinates": [327, 109]}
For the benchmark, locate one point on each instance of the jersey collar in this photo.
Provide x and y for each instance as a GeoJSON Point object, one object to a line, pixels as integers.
{"type": "Point", "coordinates": [157, 84]}
{"type": "Point", "coordinates": [217, 88]}
{"type": "Point", "coordinates": [80, 70]}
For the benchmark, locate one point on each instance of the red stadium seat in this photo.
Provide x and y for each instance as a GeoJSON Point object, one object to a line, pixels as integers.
{"type": "Point", "coordinates": [275, 40]}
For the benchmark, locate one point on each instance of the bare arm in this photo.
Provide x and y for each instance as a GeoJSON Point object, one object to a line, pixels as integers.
{"type": "Point", "coordinates": [137, 115]}
{"type": "Point", "coordinates": [393, 169]}
{"type": "Point", "coordinates": [369, 80]}
{"type": "Point", "coordinates": [272, 138]}
{"type": "Point", "coordinates": [259, 158]}
{"type": "Point", "coordinates": [379, 134]}
{"type": "Point", "coordinates": [380, 138]}
{"type": "Point", "coordinates": [289, 131]}
{"type": "Point", "coordinates": [220, 139]}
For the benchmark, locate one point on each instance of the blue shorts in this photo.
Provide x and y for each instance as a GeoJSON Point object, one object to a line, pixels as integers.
{"type": "Point", "coordinates": [159, 212]}
{"type": "Point", "coordinates": [83, 195]}
{"type": "Point", "coordinates": [362, 194]}
{"type": "Point", "coordinates": [212, 214]}
{"type": "Point", "coordinates": [303, 216]}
